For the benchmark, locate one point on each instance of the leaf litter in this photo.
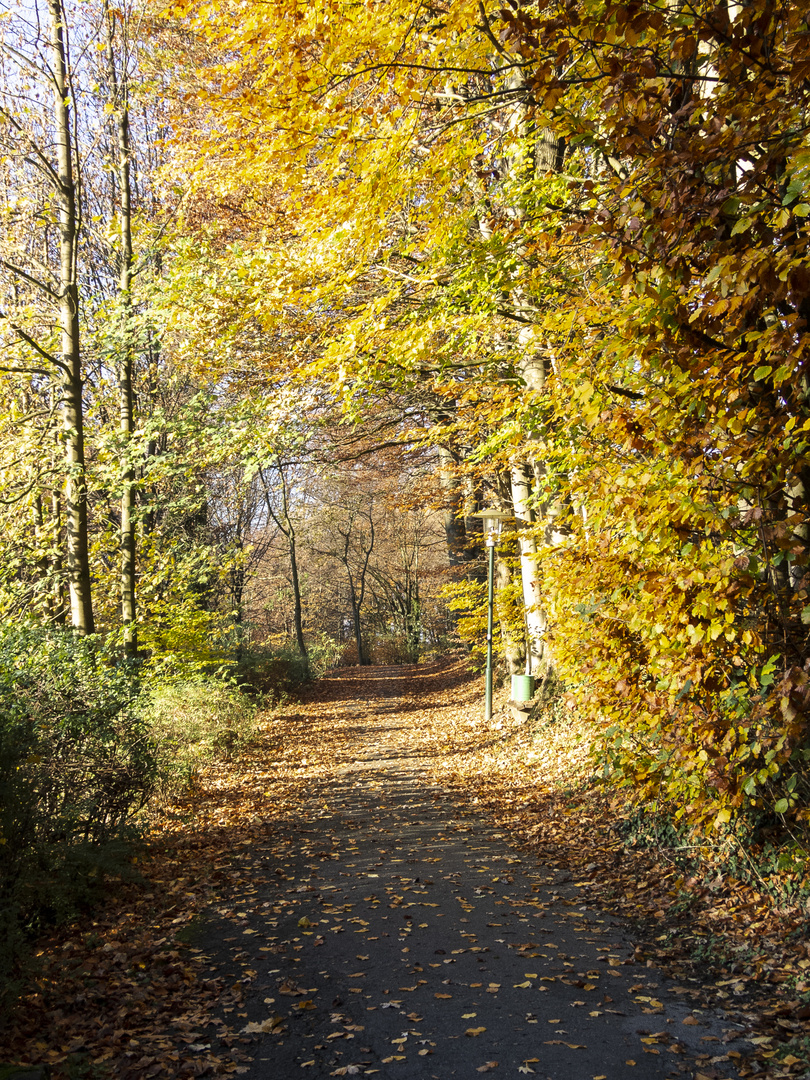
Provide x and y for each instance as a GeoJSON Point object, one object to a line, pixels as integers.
{"type": "Point", "coordinates": [126, 992]}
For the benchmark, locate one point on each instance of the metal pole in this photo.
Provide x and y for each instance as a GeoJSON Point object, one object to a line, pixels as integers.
{"type": "Point", "coordinates": [490, 589]}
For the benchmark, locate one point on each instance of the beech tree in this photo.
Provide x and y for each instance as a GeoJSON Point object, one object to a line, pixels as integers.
{"type": "Point", "coordinates": [41, 318]}
{"type": "Point", "coordinates": [118, 75]}
{"type": "Point", "coordinates": [72, 323]}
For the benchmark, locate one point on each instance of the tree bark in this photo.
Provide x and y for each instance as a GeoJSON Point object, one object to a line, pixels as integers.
{"type": "Point", "coordinates": [285, 525]}
{"type": "Point", "coordinates": [119, 91]}
{"type": "Point", "coordinates": [357, 586]}
{"type": "Point", "coordinates": [298, 613]}
{"type": "Point", "coordinates": [362, 658]}
{"type": "Point", "coordinates": [537, 653]}
{"type": "Point", "coordinates": [70, 382]}
{"type": "Point", "coordinates": [454, 526]}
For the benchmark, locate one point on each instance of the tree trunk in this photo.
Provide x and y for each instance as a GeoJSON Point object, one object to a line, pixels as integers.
{"type": "Point", "coordinates": [540, 151]}
{"type": "Point", "coordinates": [298, 615]}
{"type": "Point", "coordinates": [237, 585]}
{"type": "Point", "coordinates": [413, 621]}
{"type": "Point", "coordinates": [58, 596]}
{"type": "Point", "coordinates": [362, 658]}
{"type": "Point", "coordinates": [454, 527]}
{"type": "Point", "coordinates": [285, 525]}
{"type": "Point", "coordinates": [514, 645]}
{"type": "Point", "coordinates": [70, 383]}
{"type": "Point", "coordinates": [537, 648]}
{"type": "Point", "coordinates": [125, 360]}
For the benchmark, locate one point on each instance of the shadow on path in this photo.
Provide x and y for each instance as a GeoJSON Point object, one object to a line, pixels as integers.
{"type": "Point", "coordinates": [386, 929]}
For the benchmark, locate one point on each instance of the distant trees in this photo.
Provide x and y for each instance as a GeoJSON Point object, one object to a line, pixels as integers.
{"type": "Point", "coordinates": [361, 561]}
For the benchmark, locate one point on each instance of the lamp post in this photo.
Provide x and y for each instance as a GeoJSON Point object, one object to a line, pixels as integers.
{"type": "Point", "coordinates": [493, 520]}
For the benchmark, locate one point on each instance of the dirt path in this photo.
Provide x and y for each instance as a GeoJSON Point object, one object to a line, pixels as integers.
{"type": "Point", "coordinates": [385, 928]}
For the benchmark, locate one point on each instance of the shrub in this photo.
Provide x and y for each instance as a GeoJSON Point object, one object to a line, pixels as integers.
{"type": "Point", "coordinates": [324, 654]}
{"type": "Point", "coordinates": [86, 739]}
{"type": "Point", "coordinates": [76, 762]}
{"type": "Point", "coordinates": [193, 721]}
{"type": "Point", "coordinates": [275, 668]}
{"type": "Point", "coordinates": [381, 648]}
{"type": "Point", "coordinates": [271, 671]}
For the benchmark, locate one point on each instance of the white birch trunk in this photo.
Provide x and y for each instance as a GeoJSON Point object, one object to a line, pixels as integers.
{"type": "Point", "coordinates": [537, 652]}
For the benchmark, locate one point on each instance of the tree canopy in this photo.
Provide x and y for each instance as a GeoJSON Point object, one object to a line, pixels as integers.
{"type": "Point", "coordinates": [406, 260]}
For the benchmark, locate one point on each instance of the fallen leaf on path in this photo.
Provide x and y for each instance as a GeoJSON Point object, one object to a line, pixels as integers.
{"type": "Point", "coordinates": [272, 1023]}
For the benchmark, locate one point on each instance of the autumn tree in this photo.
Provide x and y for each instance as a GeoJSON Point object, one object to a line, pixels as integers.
{"type": "Point", "coordinates": [582, 228]}
{"type": "Point", "coordinates": [41, 315]}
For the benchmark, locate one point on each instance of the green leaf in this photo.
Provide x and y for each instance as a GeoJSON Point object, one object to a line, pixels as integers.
{"type": "Point", "coordinates": [742, 225]}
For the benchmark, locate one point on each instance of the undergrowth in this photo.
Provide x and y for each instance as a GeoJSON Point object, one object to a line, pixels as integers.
{"type": "Point", "coordinates": [193, 721]}
{"type": "Point", "coordinates": [87, 739]}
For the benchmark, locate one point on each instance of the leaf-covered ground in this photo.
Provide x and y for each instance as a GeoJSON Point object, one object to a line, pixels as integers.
{"type": "Point", "coordinates": [196, 971]}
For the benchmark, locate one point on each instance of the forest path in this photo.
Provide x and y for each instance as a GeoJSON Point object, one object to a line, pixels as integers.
{"type": "Point", "coordinates": [384, 926]}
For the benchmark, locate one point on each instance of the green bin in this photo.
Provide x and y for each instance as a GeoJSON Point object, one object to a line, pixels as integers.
{"type": "Point", "coordinates": [522, 687]}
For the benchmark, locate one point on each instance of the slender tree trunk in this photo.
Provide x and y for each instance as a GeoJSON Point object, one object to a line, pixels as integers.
{"type": "Point", "coordinates": [119, 90]}
{"type": "Point", "coordinates": [362, 659]}
{"type": "Point", "coordinates": [286, 526]}
{"type": "Point", "coordinates": [357, 594]}
{"type": "Point", "coordinates": [454, 527]}
{"type": "Point", "coordinates": [537, 648]}
{"type": "Point", "coordinates": [298, 616]}
{"type": "Point", "coordinates": [414, 619]}
{"type": "Point", "coordinates": [237, 593]}
{"type": "Point", "coordinates": [298, 619]}
{"type": "Point", "coordinates": [70, 387]}
{"type": "Point", "coordinates": [59, 606]}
